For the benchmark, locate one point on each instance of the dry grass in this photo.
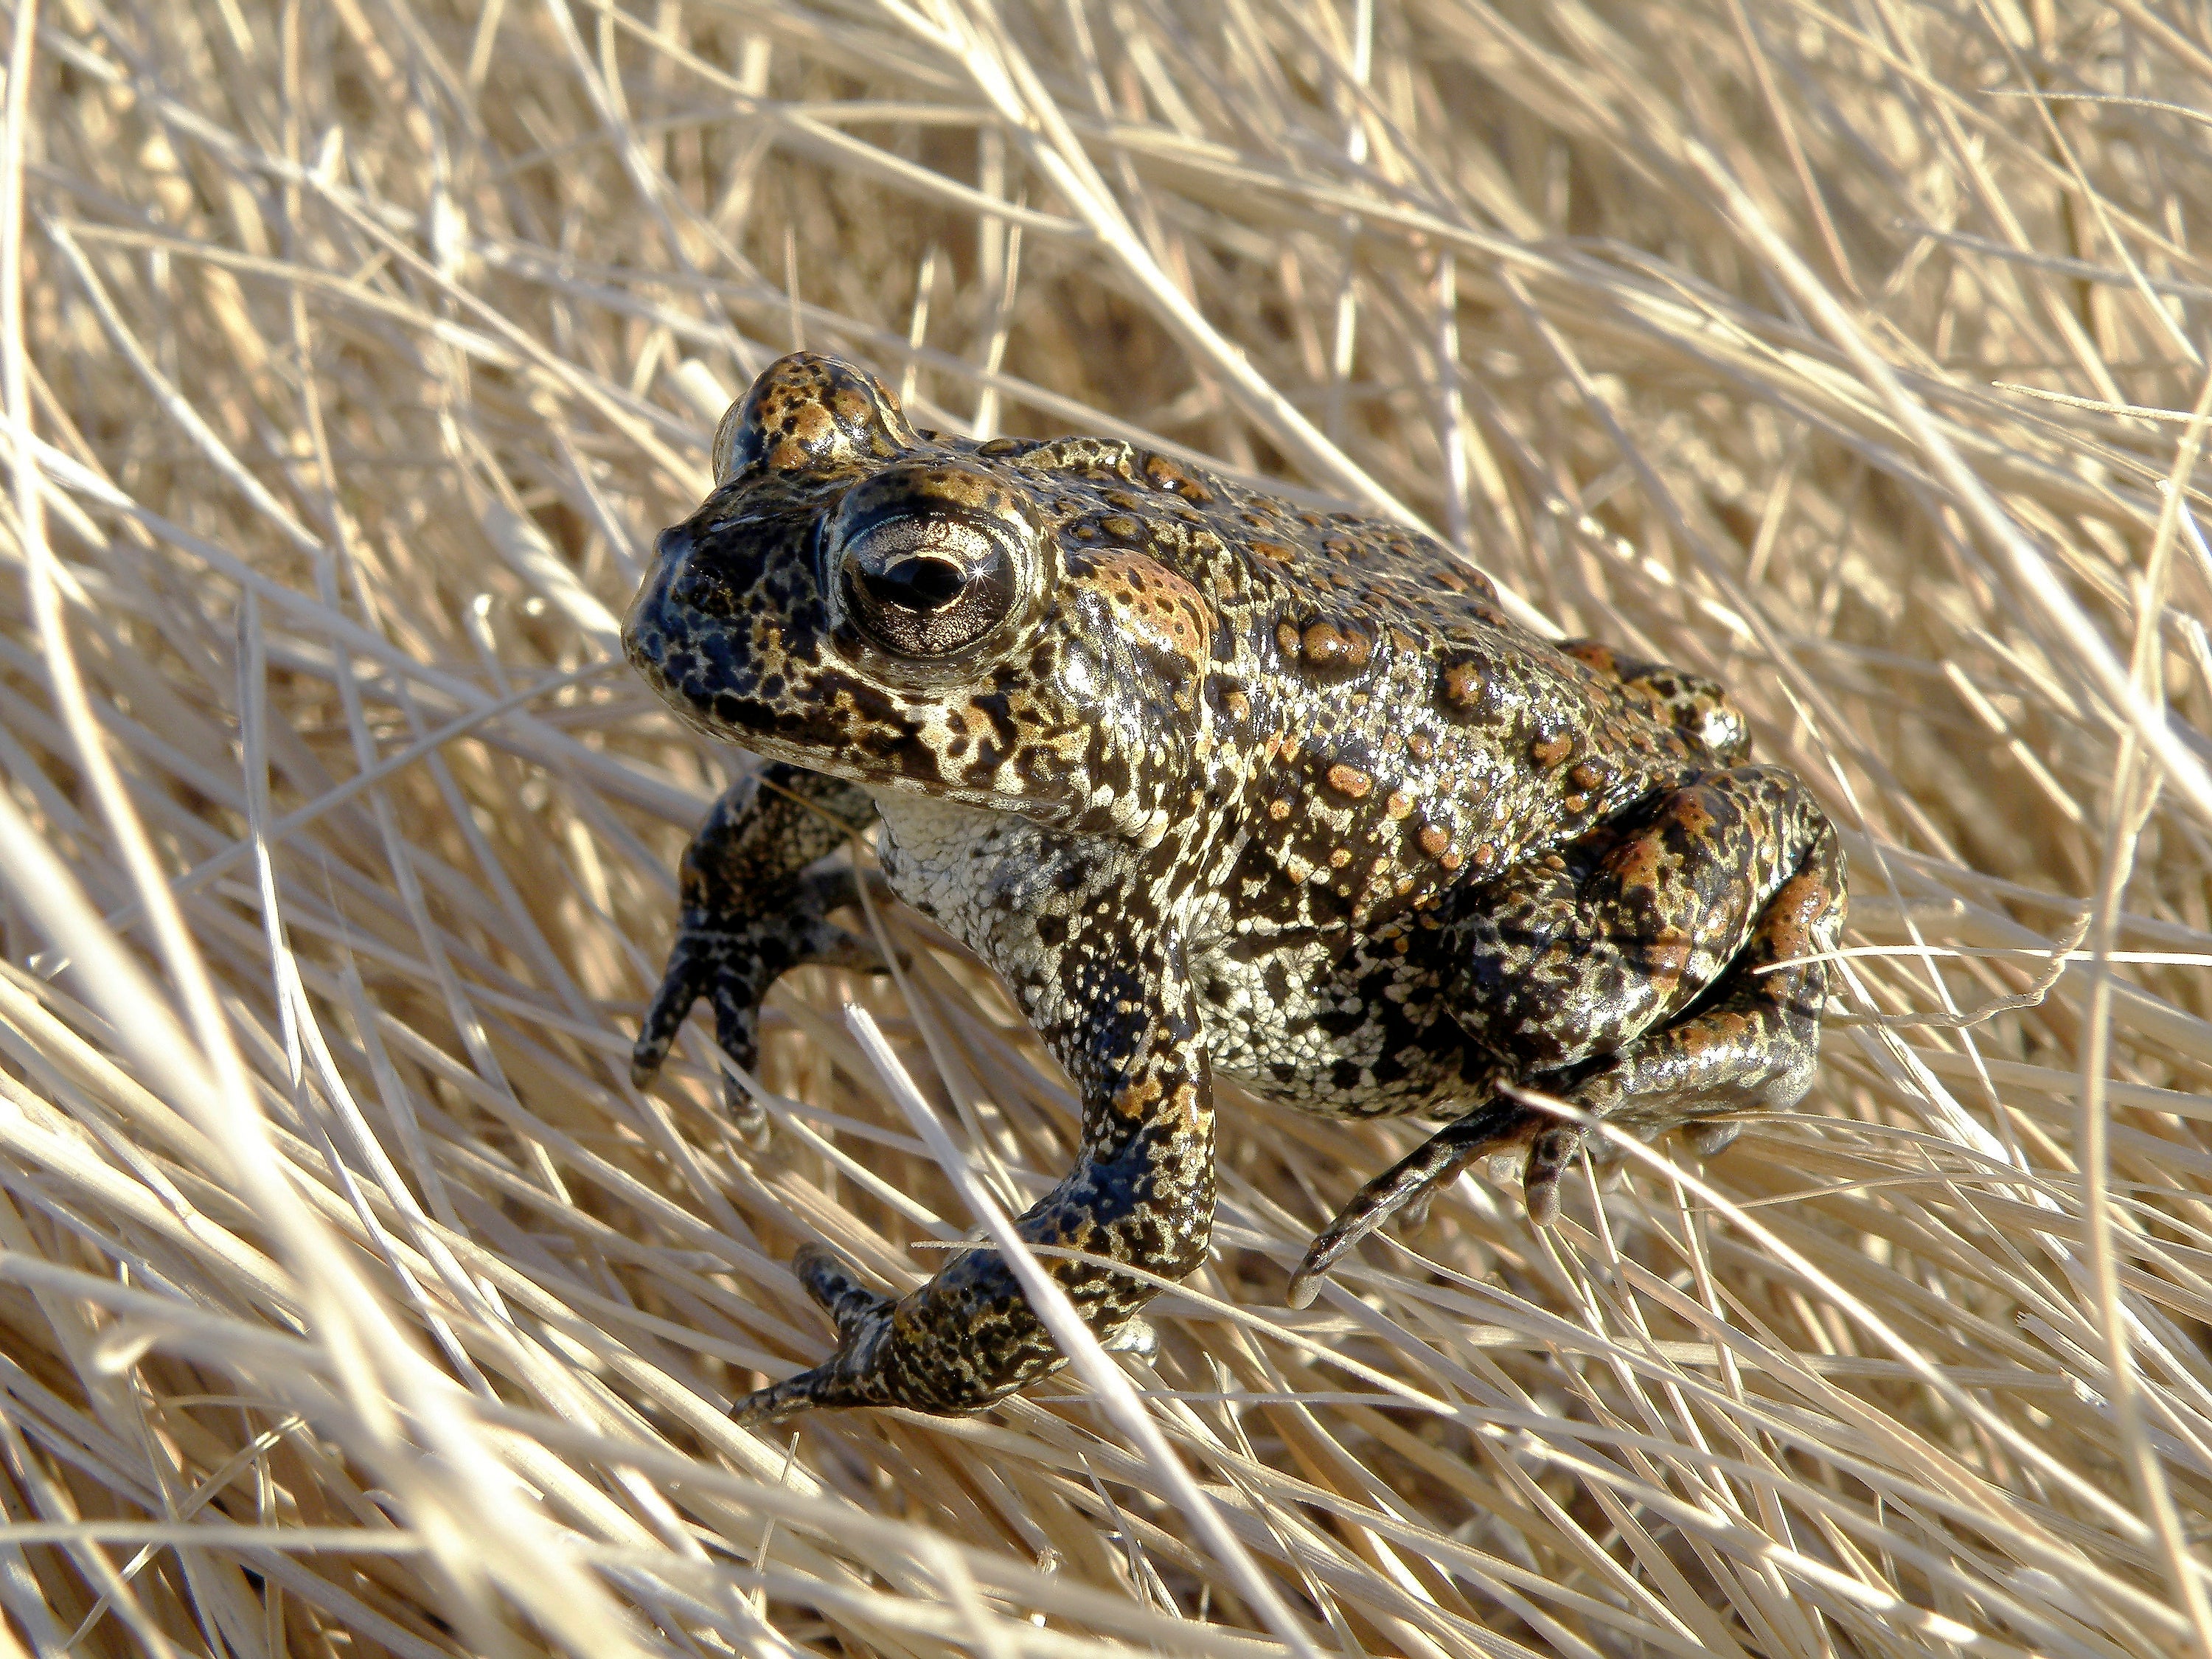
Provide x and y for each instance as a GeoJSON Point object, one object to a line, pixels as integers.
{"type": "Point", "coordinates": [350, 1301]}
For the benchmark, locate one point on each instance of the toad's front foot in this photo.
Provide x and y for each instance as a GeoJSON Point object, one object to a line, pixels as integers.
{"type": "Point", "coordinates": [964, 1341]}
{"type": "Point", "coordinates": [1140, 1196]}
{"type": "Point", "coordinates": [750, 911]}
{"type": "Point", "coordinates": [954, 1346]}
{"type": "Point", "coordinates": [731, 960]}
{"type": "Point", "coordinates": [863, 1319]}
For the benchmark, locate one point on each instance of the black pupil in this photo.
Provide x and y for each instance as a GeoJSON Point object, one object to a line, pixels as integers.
{"type": "Point", "coordinates": [916, 584]}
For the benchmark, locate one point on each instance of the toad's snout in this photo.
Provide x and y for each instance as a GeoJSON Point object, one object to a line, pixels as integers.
{"type": "Point", "coordinates": [691, 581]}
{"type": "Point", "coordinates": [661, 632]}
{"type": "Point", "coordinates": [686, 586]}
{"type": "Point", "coordinates": [641, 632]}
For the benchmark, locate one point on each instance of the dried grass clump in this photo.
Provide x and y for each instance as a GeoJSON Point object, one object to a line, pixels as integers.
{"type": "Point", "coordinates": [352, 1302]}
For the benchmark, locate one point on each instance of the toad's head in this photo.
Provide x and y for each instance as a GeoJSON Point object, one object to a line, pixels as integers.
{"type": "Point", "coordinates": [931, 615]}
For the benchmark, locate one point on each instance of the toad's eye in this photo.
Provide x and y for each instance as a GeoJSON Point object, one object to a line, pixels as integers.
{"type": "Point", "coordinates": [926, 584]}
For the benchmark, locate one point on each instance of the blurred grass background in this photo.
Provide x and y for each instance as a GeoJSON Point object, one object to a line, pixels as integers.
{"type": "Point", "coordinates": [352, 1302]}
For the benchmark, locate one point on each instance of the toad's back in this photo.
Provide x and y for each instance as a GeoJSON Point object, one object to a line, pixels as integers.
{"type": "Point", "coordinates": [1371, 724]}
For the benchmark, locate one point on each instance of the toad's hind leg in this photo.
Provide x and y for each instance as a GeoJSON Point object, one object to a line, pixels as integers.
{"type": "Point", "coordinates": [1641, 981]}
{"type": "Point", "coordinates": [1750, 1045]}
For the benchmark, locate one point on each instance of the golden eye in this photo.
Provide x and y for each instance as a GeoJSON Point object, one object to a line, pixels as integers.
{"type": "Point", "coordinates": [926, 584]}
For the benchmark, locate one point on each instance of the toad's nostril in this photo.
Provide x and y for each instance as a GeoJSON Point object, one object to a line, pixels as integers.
{"type": "Point", "coordinates": [672, 543]}
{"type": "Point", "coordinates": [702, 585]}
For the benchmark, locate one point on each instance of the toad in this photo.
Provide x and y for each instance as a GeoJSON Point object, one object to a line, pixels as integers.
{"type": "Point", "coordinates": [1220, 788]}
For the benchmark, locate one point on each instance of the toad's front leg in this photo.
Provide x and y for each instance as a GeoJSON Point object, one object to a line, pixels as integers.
{"type": "Point", "coordinates": [1142, 1193]}
{"type": "Point", "coordinates": [750, 911]}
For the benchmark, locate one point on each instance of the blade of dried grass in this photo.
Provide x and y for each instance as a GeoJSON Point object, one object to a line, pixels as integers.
{"type": "Point", "coordinates": [2058, 608]}
{"type": "Point", "coordinates": [2132, 802]}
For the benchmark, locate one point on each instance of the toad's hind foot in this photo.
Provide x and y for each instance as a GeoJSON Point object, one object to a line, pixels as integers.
{"type": "Point", "coordinates": [1407, 1185]}
{"type": "Point", "coordinates": [1544, 1147]}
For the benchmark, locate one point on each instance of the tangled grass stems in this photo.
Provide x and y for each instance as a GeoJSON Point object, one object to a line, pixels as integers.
{"type": "Point", "coordinates": [351, 1302]}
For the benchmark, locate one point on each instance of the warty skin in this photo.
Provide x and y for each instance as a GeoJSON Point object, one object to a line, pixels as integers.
{"type": "Point", "coordinates": [1217, 784]}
